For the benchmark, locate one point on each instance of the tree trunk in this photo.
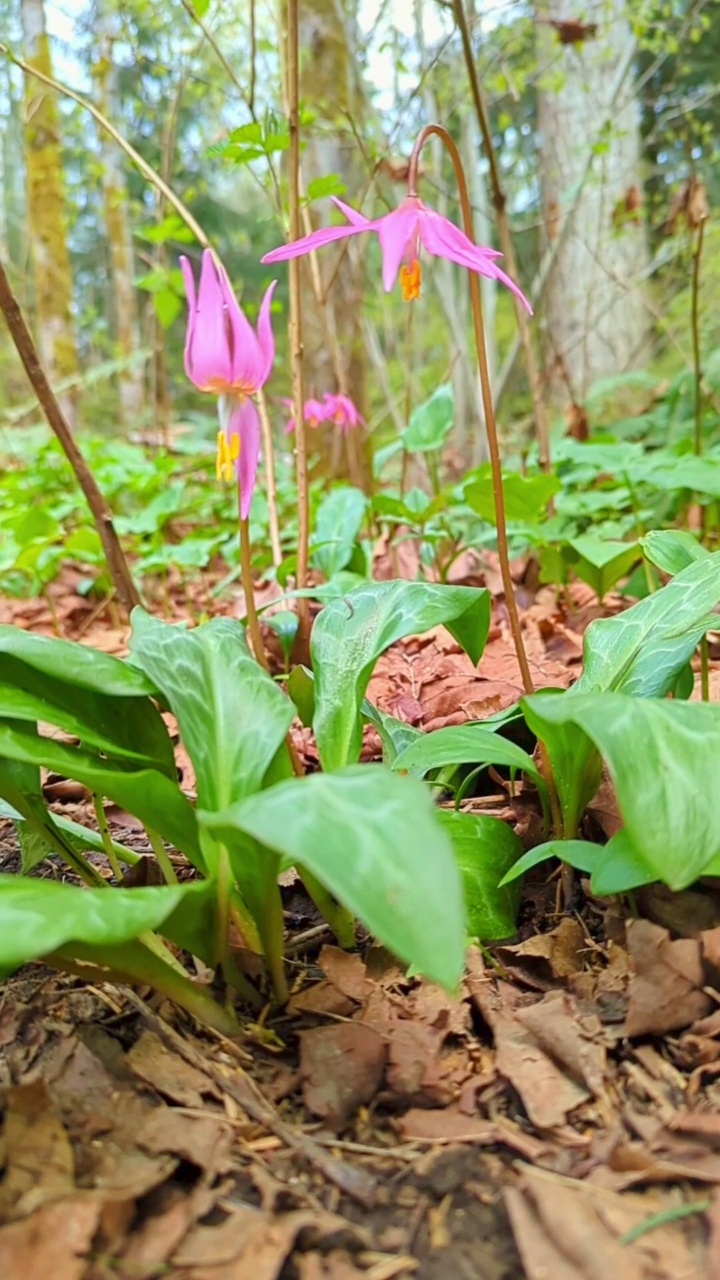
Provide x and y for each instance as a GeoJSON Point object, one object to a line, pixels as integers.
{"type": "Point", "coordinates": [117, 220]}
{"type": "Point", "coordinates": [46, 210]}
{"type": "Point", "coordinates": [595, 321]}
{"type": "Point", "coordinates": [334, 352]}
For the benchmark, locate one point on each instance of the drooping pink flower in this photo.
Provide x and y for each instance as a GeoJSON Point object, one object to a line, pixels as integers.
{"type": "Point", "coordinates": [314, 412]}
{"type": "Point", "coordinates": [341, 410]}
{"type": "Point", "coordinates": [224, 355]}
{"type": "Point", "coordinates": [401, 234]}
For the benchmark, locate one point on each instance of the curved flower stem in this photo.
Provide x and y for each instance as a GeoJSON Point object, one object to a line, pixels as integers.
{"type": "Point", "coordinates": [695, 327]}
{"type": "Point", "coordinates": [499, 201]}
{"type": "Point", "coordinates": [249, 590]}
{"type": "Point", "coordinates": [271, 483]}
{"type": "Point", "coordinates": [296, 347]}
{"type": "Point", "coordinates": [105, 836]}
{"type": "Point", "coordinates": [162, 857]}
{"type": "Point", "coordinates": [490, 424]}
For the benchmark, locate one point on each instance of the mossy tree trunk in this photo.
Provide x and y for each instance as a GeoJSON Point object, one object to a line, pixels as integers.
{"type": "Point", "coordinates": [117, 221]}
{"type": "Point", "coordinates": [47, 215]}
{"type": "Point", "coordinates": [596, 323]}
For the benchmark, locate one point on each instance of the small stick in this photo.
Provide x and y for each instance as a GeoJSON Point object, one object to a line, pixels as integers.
{"type": "Point", "coordinates": [102, 515]}
{"type": "Point", "coordinates": [271, 482]}
{"type": "Point", "coordinates": [352, 1181]}
{"type": "Point", "coordinates": [249, 590]}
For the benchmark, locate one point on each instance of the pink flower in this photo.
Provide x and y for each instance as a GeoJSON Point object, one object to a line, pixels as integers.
{"type": "Point", "coordinates": [224, 355]}
{"type": "Point", "coordinates": [401, 233]}
{"type": "Point", "coordinates": [314, 412]}
{"type": "Point", "coordinates": [341, 410]}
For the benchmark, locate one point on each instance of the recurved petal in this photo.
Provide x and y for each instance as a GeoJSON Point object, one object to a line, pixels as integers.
{"type": "Point", "coordinates": [353, 215]}
{"type": "Point", "coordinates": [245, 423]}
{"type": "Point", "coordinates": [443, 231]}
{"type": "Point", "coordinates": [316, 239]}
{"type": "Point", "coordinates": [265, 337]}
{"type": "Point", "coordinates": [209, 363]}
{"type": "Point", "coordinates": [397, 233]}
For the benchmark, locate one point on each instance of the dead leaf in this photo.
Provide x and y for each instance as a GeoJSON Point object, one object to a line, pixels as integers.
{"type": "Point", "coordinates": [252, 1245]}
{"type": "Point", "coordinates": [38, 1159]}
{"type": "Point", "coordinates": [52, 1243]}
{"type": "Point", "coordinates": [346, 971]}
{"type": "Point", "coordinates": [548, 958]}
{"type": "Point", "coordinates": [448, 1125]}
{"type": "Point", "coordinates": [168, 1073]}
{"type": "Point", "coordinates": [665, 988]}
{"type": "Point", "coordinates": [548, 1092]}
{"type": "Point", "coordinates": [203, 1140]}
{"type": "Point", "coordinates": [413, 1051]}
{"type": "Point", "coordinates": [341, 1067]}
{"type": "Point", "coordinates": [573, 1231]}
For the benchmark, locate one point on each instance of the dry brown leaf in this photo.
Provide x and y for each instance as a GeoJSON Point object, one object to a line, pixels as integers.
{"type": "Point", "coordinates": [448, 1125]}
{"type": "Point", "coordinates": [547, 959]}
{"type": "Point", "coordinates": [574, 1230]}
{"type": "Point", "coordinates": [168, 1073]}
{"type": "Point", "coordinates": [413, 1052]}
{"type": "Point", "coordinates": [203, 1140]}
{"type": "Point", "coordinates": [52, 1243]}
{"type": "Point", "coordinates": [665, 988]}
{"type": "Point", "coordinates": [38, 1159]}
{"type": "Point", "coordinates": [321, 997]}
{"type": "Point", "coordinates": [341, 1067]}
{"type": "Point", "coordinates": [548, 1093]}
{"type": "Point", "coordinates": [346, 971]}
{"type": "Point", "coordinates": [252, 1245]}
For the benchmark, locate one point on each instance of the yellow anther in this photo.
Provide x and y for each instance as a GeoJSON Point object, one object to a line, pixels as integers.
{"type": "Point", "coordinates": [228, 452]}
{"type": "Point", "coordinates": [410, 281]}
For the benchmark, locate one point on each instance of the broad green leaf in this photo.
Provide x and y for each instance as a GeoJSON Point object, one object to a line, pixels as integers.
{"type": "Point", "coordinates": [672, 550]}
{"type": "Point", "coordinates": [581, 854]}
{"type": "Point", "coordinates": [620, 867]}
{"type": "Point", "coordinates": [395, 734]}
{"type": "Point", "coordinates": [430, 422]}
{"type": "Point", "coordinates": [466, 744]}
{"type": "Point", "coordinates": [39, 916]}
{"type": "Point", "coordinates": [21, 794]}
{"type": "Point", "coordinates": [285, 626]}
{"type": "Point", "coordinates": [643, 650]}
{"type": "Point", "coordinates": [232, 716]}
{"type": "Point", "coordinates": [526, 497]}
{"type": "Point", "coordinates": [351, 633]}
{"type": "Point", "coordinates": [127, 727]}
{"type": "Point", "coordinates": [374, 841]}
{"type": "Point", "coordinates": [337, 525]}
{"type": "Point", "coordinates": [485, 848]}
{"type": "Point", "coordinates": [664, 760]}
{"type": "Point", "coordinates": [301, 687]}
{"type": "Point", "coordinates": [78, 664]}
{"type": "Point", "coordinates": [156, 800]}
{"type": "Point", "coordinates": [330, 184]}
{"type": "Point", "coordinates": [575, 763]}
{"type": "Point", "coordinates": [601, 562]}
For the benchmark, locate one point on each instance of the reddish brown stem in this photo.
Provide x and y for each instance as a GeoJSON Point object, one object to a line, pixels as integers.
{"type": "Point", "coordinates": [490, 423]}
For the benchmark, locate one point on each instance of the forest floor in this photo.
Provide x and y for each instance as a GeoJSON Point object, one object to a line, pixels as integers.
{"type": "Point", "coordinates": [558, 1117]}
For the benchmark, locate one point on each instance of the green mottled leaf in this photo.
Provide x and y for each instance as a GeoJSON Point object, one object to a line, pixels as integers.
{"type": "Point", "coordinates": [373, 840]}
{"type": "Point", "coordinates": [351, 633]}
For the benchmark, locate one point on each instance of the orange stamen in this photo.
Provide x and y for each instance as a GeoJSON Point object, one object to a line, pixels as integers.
{"type": "Point", "coordinates": [410, 281]}
{"type": "Point", "coordinates": [228, 452]}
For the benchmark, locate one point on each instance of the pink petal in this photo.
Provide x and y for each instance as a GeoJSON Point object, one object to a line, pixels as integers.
{"type": "Point", "coordinates": [189, 279]}
{"type": "Point", "coordinates": [247, 360]}
{"type": "Point", "coordinates": [444, 240]}
{"type": "Point", "coordinates": [397, 232]}
{"type": "Point", "coordinates": [209, 363]}
{"type": "Point", "coordinates": [451, 235]}
{"type": "Point", "coordinates": [266, 340]}
{"type": "Point", "coordinates": [316, 239]}
{"type": "Point", "coordinates": [245, 423]}
{"type": "Point", "coordinates": [353, 215]}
